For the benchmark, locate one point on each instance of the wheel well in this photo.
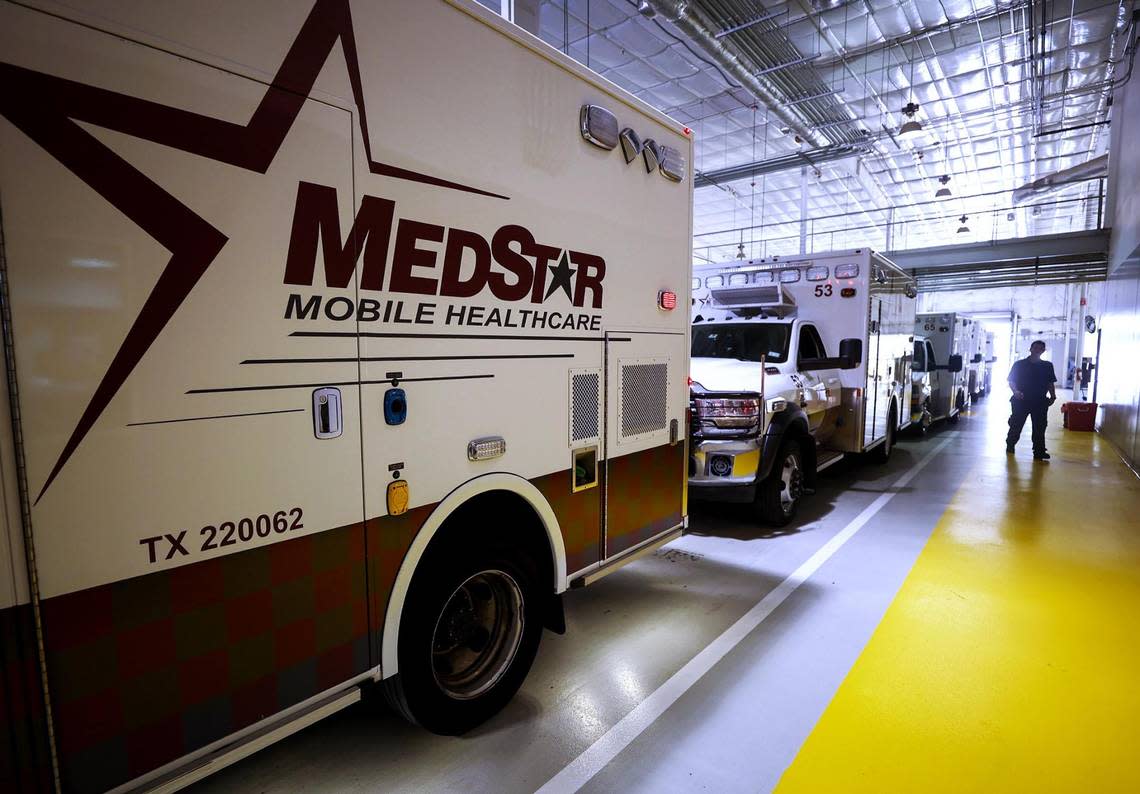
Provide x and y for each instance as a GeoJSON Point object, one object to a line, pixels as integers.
{"type": "Point", "coordinates": [502, 517]}
{"type": "Point", "coordinates": [497, 506]}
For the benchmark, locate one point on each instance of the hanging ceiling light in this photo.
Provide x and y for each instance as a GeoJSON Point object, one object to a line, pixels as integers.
{"type": "Point", "coordinates": [911, 125]}
{"type": "Point", "coordinates": [943, 192]}
{"type": "Point", "coordinates": [964, 229]}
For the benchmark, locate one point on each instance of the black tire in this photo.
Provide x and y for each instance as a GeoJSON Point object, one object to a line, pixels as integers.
{"type": "Point", "coordinates": [475, 586]}
{"type": "Point", "coordinates": [882, 453]}
{"type": "Point", "coordinates": [775, 504]}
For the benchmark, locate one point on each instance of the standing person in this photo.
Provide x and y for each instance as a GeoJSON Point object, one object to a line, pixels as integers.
{"type": "Point", "coordinates": [1031, 381]}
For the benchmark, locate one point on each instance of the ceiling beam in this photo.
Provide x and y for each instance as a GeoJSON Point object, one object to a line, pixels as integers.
{"type": "Point", "coordinates": [1076, 245]}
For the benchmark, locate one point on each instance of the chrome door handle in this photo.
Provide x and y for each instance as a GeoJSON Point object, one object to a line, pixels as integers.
{"type": "Point", "coordinates": [327, 413]}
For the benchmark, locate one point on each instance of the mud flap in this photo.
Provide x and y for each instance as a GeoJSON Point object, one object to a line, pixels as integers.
{"type": "Point", "coordinates": [554, 618]}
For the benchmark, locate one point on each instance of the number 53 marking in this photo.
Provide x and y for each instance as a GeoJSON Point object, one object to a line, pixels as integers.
{"type": "Point", "coordinates": [823, 290]}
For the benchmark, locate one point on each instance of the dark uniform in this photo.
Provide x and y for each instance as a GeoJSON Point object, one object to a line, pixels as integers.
{"type": "Point", "coordinates": [1032, 379]}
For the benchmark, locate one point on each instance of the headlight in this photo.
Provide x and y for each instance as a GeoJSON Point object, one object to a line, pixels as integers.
{"type": "Point", "coordinates": [729, 412]}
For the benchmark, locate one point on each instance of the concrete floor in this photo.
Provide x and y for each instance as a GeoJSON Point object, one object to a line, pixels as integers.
{"type": "Point", "coordinates": [736, 727]}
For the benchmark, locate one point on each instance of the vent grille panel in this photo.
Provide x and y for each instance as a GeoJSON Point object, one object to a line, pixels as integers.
{"type": "Point", "coordinates": [585, 388]}
{"type": "Point", "coordinates": [644, 398]}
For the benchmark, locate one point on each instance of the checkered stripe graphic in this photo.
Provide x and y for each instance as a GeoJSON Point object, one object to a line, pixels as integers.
{"type": "Point", "coordinates": [579, 516]}
{"type": "Point", "coordinates": [25, 763]}
{"type": "Point", "coordinates": [148, 669]}
{"type": "Point", "coordinates": [389, 538]}
{"type": "Point", "coordinates": [643, 496]}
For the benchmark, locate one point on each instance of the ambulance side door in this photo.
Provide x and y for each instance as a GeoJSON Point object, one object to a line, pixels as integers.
{"type": "Point", "coordinates": [819, 387]}
{"type": "Point", "coordinates": [645, 474]}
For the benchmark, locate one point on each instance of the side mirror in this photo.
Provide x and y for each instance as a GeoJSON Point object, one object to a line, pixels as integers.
{"type": "Point", "coordinates": [977, 359]}
{"type": "Point", "coordinates": [955, 363]}
{"type": "Point", "coordinates": [851, 353]}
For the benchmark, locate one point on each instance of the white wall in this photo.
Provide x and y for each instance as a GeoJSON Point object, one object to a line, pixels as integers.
{"type": "Point", "coordinates": [1119, 394]}
{"type": "Point", "coordinates": [1123, 201]}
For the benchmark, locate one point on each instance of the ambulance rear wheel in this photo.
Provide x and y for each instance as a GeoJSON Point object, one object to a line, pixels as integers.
{"type": "Point", "coordinates": [778, 496]}
{"type": "Point", "coordinates": [468, 636]}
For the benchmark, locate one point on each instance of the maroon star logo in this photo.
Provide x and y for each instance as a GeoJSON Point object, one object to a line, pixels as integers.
{"type": "Point", "coordinates": [48, 108]}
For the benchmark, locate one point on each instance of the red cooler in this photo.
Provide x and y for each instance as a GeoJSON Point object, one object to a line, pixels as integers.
{"type": "Point", "coordinates": [1079, 416]}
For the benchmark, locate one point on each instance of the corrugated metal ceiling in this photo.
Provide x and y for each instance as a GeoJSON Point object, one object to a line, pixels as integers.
{"type": "Point", "coordinates": [1007, 92]}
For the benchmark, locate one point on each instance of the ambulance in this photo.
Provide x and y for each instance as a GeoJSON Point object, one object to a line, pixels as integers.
{"type": "Point", "coordinates": [341, 339]}
{"type": "Point", "coordinates": [945, 345]}
{"type": "Point", "coordinates": [975, 359]}
{"type": "Point", "coordinates": [795, 363]}
{"type": "Point", "coordinates": [989, 358]}
{"type": "Point", "coordinates": [921, 380]}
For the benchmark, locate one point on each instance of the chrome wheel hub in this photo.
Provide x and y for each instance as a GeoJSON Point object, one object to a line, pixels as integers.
{"type": "Point", "coordinates": [791, 483]}
{"type": "Point", "coordinates": [477, 634]}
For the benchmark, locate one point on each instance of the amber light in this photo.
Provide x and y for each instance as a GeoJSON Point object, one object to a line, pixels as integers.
{"type": "Point", "coordinates": [667, 300]}
{"type": "Point", "coordinates": [847, 292]}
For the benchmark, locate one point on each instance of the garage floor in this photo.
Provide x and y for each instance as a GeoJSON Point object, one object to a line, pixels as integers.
{"type": "Point", "coordinates": [955, 620]}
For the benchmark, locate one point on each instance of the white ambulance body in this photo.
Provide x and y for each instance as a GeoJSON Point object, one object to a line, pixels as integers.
{"type": "Point", "coordinates": [921, 379]}
{"type": "Point", "coordinates": [948, 343]}
{"type": "Point", "coordinates": [338, 346]}
{"type": "Point", "coordinates": [974, 358]}
{"type": "Point", "coordinates": [795, 363]}
{"type": "Point", "coordinates": [989, 358]}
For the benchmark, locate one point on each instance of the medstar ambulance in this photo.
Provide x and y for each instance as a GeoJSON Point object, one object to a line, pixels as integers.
{"type": "Point", "coordinates": [334, 356]}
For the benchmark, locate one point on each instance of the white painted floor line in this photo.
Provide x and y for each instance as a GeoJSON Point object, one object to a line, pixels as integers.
{"type": "Point", "coordinates": [579, 771]}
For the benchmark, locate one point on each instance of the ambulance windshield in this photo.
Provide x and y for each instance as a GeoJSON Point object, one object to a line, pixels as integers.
{"type": "Point", "coordinates": [742, 341]}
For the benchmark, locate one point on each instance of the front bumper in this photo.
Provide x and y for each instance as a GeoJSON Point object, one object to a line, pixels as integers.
{"type": "Point", "coordinates": [724, 470]}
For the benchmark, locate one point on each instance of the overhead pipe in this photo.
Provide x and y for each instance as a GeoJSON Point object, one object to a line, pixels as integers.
{"type": "Point", "coordinates": [1093, 169]}
{"type": "Point", "coordinates": [745, 25]}
{"type": "Point", "coordinates": [693, 22]}
{"type": "Point", "coordinates": [812, 159]}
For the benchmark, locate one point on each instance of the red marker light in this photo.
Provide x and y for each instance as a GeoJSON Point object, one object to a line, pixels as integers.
{"type": "Point", "coordinates": [687, 131]}
{"type": "Point", "coordinates": [690, 380]}
{"type": "Point", "coordinates": [667, 300]}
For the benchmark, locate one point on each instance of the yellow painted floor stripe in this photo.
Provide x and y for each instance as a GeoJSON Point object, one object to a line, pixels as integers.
{"type": "Point", "coordinates": [1010, 659]}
